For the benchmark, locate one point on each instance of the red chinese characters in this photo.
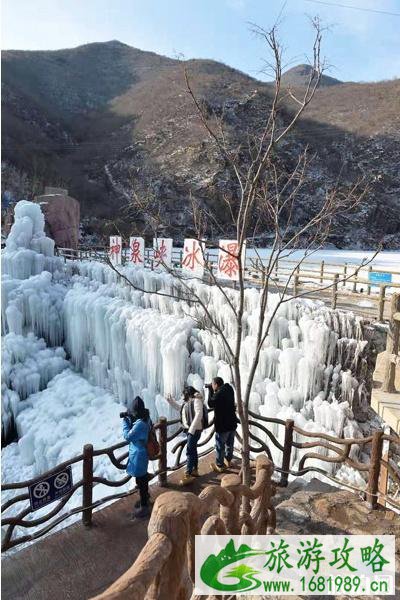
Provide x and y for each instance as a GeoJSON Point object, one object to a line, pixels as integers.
{"type": "Point", "coordinates": [193, 257]}
{"type": "Point", "coordinates": [162, 252]}
{"type": "Point", "coordinates": [115, 252]}
{"type": "Point", "coordinates": [228, 261]}
{"type": "Point", "coordinates": [136, 251]}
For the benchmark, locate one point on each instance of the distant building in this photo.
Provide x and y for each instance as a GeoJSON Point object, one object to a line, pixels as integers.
{"type": "Point", "coordinates": [62, 215]}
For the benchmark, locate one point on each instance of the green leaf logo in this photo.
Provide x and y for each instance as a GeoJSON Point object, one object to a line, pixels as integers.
{"type": "Point", "coordinates": [245, 574]}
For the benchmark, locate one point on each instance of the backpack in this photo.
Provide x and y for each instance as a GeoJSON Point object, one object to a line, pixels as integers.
{"type": "Point", "coordinates": [153, 447]}
{"type": "Point", "coordinates": [188, 409]}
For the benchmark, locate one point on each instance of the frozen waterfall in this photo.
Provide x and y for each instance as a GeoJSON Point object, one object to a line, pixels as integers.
{"type": "Point", "coordinates": [150, 338]}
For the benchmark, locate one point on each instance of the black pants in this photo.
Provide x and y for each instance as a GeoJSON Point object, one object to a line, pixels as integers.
{"type": "Point", "coordinates": [143, 485]}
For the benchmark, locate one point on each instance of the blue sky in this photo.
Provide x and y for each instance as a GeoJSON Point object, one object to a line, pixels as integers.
{"type": "Point", "coordinates": [360, 46]}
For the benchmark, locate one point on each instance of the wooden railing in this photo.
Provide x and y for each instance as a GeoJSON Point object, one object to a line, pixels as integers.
{"type": "Point", "coordinates": [165, 567]}
{"type": "Point", "coordinates": [86, 483]}
{"type": "Point", "coordinates": [380, 472]}
{"type": "Point", "coordinates": [309, 275]}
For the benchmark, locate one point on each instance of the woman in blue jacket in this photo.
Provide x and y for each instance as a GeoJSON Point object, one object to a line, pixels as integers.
{"type": "Point", "coordinates": [136, 432]}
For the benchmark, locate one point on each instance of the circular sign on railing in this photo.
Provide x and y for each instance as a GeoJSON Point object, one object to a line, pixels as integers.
{"type": "Point", "coordinates": [41, 489]}
{"type": "Point", "coordinates": [61, 480]}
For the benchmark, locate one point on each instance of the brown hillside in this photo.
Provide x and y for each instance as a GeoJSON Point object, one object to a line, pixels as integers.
{"type": "Point", "coordinates": [102, 117]}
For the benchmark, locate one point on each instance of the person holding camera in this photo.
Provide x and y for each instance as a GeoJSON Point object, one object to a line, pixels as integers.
{"type": "Point", "coordinates": [136, 427]}
{"type": "Point", "coordinates": [193, 422]}
{"type": "Point", "coordinates": [221, 398]}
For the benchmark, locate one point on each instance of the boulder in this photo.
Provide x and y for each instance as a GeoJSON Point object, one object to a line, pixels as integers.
{"type": "Point", "coordinates": [62, 214]}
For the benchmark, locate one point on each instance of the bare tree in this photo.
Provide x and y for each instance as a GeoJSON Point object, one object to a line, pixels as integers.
{"type": "Point", "coordinates": [267, 197]}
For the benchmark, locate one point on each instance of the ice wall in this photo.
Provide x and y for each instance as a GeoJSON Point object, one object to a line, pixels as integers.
{"type": "Point", "coordinates": [126, 348]}
{"type": "Point", "coordinates": [34, 283]}
{"type": "Point", "coordinates": [308, 366]}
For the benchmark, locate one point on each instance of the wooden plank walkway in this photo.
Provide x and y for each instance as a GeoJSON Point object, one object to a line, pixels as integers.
{"type": "Point", "coordinates": [77, 563]}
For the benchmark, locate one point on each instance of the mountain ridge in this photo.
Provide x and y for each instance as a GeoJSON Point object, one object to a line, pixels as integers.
{"type": "Point", "coordinates": [100, 116]}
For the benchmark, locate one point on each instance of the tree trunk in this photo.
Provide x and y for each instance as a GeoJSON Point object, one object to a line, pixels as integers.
{"type": "Point", "coordinates": [245, 450]}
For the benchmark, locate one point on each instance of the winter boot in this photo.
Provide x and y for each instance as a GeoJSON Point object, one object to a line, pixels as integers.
{"type": "Point", "coordinates": [195, 473]}
{"type": "Point", "coordinates": [186, 479]}
{"type": "Point", "coordinates": [227, 463]}
{"type": "Point", "coordinates": [138, 504]}
{"type": "Point", "coordinates": [217, 469]}
{"type": "Point", "coordinates": [141, 513]}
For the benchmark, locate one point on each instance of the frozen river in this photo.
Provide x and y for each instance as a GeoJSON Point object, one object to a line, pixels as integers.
{"type": "Point", "coordinates": [384, 260]}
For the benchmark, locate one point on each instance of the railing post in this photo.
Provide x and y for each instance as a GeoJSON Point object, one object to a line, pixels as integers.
{"type": "Point", "coordinates": [344, 274]}
{"type": "Point", "coordinates": [355, 279]}
{"type": "Point", "coordinates": [230, 514]}
{"type": "Point", "coordinates": [211, 266]}
{"type": "Point", "coordinates": [296, 283]}
{"type": "Point", "coordinates": [369, 286]}
{"type": "Point", "coordinates": [381, 305]}
{"type": "Point", "coordinates": [162, 461]}
{"type": "Point", "coordinates": [334, 290]}
{"type": "Point", "coordinates": [321, 272]}
{"type": "Point", "coordinates": [392, 346]}
{"type": "Point", "coordinates": [262, 276]}
{"type": "Point", "coordinates": [87, 488]}
{"type": "Point", "coordinates": [287, 451]}
{"type": "Point", "coordinates": [383, 473]}
{"type": "Point", "coordinates": [180, 258]}
{"type": "Point", "coordinates": [374, 469]}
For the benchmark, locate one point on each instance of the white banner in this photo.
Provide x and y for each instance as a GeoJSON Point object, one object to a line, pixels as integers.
{"type": "Point", "coordinates": [193, 257]}
{"type": "Point", "coordinates": [136, 251]}
{"type": "Point", "coordinates": [228, 263]}
{"type": "Point", "coordinates": [115, 252]}
{"type": "Point", "coordinates": [162, 252]}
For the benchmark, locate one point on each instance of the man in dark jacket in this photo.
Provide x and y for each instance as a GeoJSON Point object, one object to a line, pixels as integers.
{"type": "Point", "coordinates": [221, 398]}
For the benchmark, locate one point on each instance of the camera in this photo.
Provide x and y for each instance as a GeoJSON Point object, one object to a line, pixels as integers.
{"type": "Point", "coordinates": [126, 415]}
{"type": "Point", "coordinates": [208, 386]}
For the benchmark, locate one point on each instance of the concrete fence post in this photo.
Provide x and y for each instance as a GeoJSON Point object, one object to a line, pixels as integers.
{"type": "Point", "coordinates": [381, 305]}
{"type": "Point", "coordinates": [344, 274]}
{"type": "Point", "coordinates": [369, 285]}
{"type": "Point", "coordinates": [355, 279]}
{"type": "Point", "coordinates": [321, 272]}
{"type": "Point", "coordinates": [296, 281]}
{"type": "Point", "coordinates": [334, 290]}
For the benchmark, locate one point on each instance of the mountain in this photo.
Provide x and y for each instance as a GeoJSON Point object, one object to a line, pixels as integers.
{"type": "Point", "coordinates": [299, 76]}
{"type": "Point", "coordinates": [103, 118]}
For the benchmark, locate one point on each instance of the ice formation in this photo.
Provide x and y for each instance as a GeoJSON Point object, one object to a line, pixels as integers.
{"type": "Point", "coordinates": [150, 339]}
{"type": "Point", "coordinates": [33, 289]}
{"type": "Point", "coordinates": [28, 250]}
{"type": "Point", "coordinates": [27, 367]}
